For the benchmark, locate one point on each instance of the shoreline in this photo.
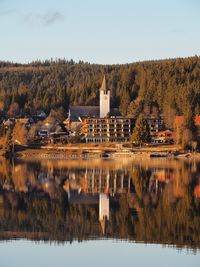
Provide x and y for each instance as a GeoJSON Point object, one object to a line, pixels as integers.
{"type": "Point", "coordinates": [93, 151]}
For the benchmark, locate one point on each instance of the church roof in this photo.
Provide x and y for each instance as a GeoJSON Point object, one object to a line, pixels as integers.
{"type": "Point", "coordinates": [88, 111]}
{"type": "Point", "coordinates": [83, 111]}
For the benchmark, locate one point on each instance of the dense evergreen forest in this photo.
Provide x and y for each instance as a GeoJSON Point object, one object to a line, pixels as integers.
{"type": "Point", "coordinates": [172, 85]}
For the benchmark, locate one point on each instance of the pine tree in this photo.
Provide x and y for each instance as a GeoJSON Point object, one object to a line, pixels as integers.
{"type": "Point", "coordinates": [124, 102]}
{"type": "Point", "coordinates": [141, 133]}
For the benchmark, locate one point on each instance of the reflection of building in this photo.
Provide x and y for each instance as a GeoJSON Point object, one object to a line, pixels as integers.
{"type": "Point", "coordinates": [105, 181]}
{"type": "Point", "coordinates": [104, 211]}
{"type": "Point", "coordinates": [162, 175]}
{"type": "Point", "coordinates": [159, 178]}
{"type": "Point", "coordinates": [103, 207]}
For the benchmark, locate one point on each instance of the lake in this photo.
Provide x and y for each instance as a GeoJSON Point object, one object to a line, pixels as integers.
{"type": "Point", "coordinates": [99, 212]}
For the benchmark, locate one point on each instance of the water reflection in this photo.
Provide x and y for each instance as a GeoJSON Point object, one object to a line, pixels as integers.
{"type": "Point", "coordinates": [152, 201]}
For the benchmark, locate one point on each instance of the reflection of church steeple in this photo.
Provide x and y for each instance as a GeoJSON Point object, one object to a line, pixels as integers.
{"type": "Point", "coordinates": [104, 210]}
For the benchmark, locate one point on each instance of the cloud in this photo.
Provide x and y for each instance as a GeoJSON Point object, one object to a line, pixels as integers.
{"type": "Point", "coordinates": [52, 17]}
{"type": "Point", "coordinates": [44, 19]}
{"type": "Point", "coordinates": [7, 12]}
{"type": "Point", "coordinates": [47, 18]}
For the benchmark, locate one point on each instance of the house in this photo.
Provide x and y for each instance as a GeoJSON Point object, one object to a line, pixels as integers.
{"type": "Point", "coordinates": [166, 137]}
{"type": "Point", "coordinates": [52, 131]}
{"type": "Point", "coordinates": [39, 115]}
{"type": "Point", "coordinates": [9, 123]}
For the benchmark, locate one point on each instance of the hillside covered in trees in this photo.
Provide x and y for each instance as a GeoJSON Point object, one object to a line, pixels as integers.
{"type": "Point", "coordinates": [171, 85]}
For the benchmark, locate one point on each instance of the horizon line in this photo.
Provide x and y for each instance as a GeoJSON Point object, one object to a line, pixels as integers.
{"type": "Point", "coordinates": [56, 59]}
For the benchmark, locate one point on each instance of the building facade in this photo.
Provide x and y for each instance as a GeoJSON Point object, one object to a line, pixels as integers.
{"type": "Point", "coordinates": [114, 129]}
{"type": "Point", "coordinates": [156, 124]}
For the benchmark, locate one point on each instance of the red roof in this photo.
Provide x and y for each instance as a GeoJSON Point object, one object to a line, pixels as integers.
{"type": "Point", "coordinates": [180, 120]}
{"type": "Point", "coordinates": [165, 132]}
{"type": "Point", "coordinates": [197, 120]}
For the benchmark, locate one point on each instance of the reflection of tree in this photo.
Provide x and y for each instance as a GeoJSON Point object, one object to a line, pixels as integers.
{"type": "Point", "coordinates": [38, 213]}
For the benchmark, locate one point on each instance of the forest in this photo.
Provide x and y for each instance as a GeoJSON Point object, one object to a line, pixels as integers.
{"type": "Point", "coordinates": [171, 85]}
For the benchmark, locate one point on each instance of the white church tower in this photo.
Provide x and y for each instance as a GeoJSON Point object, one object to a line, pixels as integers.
{"type": "Point", "coordinates": [104, 99]}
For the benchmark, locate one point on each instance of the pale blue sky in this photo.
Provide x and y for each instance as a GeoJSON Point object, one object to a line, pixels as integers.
{"type": "Point", "coordinates": [99, 31]}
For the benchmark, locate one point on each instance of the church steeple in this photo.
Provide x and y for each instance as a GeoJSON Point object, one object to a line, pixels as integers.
{"type": "Point", "coordinates": [104, 99]}
{"type": "Point", "coordinates": [103, 85]}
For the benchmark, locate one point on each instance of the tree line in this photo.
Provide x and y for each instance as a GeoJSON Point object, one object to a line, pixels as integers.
{"type": "Point", "coordinates": [171, 85]}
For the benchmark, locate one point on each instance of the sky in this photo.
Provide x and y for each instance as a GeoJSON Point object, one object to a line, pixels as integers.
{"type": "Point", "coordinates": [99, 31]}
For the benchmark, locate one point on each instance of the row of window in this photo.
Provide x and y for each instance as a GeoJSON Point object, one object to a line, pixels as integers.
{"type": "Point", "coordinates": [103, 140]}
{"type": "Point", "coordinates": [108, 121]}
{"type": "Point", "coordinates": [107, 131]}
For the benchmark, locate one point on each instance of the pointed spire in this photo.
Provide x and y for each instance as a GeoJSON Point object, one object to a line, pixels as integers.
{"type": "Point", "coordinates": [103, 85]}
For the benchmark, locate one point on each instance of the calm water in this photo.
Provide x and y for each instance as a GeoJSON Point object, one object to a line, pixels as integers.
{"type": "Point", "coordinates": [99, 213]}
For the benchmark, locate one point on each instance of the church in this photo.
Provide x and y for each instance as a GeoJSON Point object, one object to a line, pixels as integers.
{"type": "Point", "coordinates": [101, 123]}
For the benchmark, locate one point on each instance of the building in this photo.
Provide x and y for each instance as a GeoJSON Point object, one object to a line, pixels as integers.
{"type": "Point", "coordinates": [155, 123]}
{"type": "Point", "coordinates": [104, 100]}
{"type": "Point", "coordinates": [166, 137]}
{"type": "Point", "coordinates": [107, 128]}
{"type": "Point", "coordinates": [101, 123]}
{"type": "Point", "coordinates": [77, 114]}
{"type": "Point", "coordinates": [114, 129]}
